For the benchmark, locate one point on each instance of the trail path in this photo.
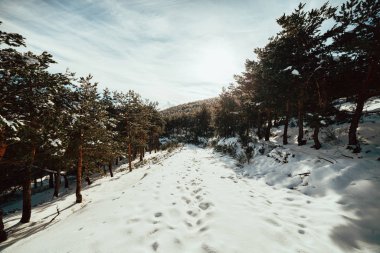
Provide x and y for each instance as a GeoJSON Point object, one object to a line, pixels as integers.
{"type": "Point", "coordinates": [191, 202]}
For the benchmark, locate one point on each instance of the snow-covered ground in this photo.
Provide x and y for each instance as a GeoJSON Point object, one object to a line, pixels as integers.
{"type": "Point", "coordinates": [196, 200]}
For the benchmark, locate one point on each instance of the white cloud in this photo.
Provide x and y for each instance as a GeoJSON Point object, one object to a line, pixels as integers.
{"type": "Point", "coordinates": [168, 51]}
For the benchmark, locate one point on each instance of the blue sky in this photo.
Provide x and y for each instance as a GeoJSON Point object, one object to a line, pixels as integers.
{"type": "Point", "coordinates": [171, 51]}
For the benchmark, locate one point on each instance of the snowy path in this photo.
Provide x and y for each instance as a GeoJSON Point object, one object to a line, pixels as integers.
{"type": "Point", "coordinates": [192, 202]}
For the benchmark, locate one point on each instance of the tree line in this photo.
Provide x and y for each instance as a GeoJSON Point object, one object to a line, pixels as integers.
{"type": "Point", "coordinates": [57, 123]}
{"type": "Point", "coordinates": [319, 56]}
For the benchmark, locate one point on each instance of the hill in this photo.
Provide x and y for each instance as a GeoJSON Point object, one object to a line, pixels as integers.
{"type": "Point", "coordinates": [190, 108]}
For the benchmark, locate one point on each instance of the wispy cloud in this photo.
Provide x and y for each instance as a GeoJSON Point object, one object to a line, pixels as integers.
{"type": "Point", "coordinates": [170, 51]}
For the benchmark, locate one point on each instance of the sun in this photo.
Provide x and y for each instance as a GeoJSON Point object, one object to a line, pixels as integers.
{"type": "Point", "coordinates": [216, 63]}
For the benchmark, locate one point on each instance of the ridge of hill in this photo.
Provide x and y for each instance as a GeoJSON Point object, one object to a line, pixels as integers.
{"type": "Point", "coordinates": [191, 107]}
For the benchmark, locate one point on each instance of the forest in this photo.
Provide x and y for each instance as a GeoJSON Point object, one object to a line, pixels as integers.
{"type": "Point", "coordinates": [319, 57]}
{"type": "Point", "coordinates": [58, 124]}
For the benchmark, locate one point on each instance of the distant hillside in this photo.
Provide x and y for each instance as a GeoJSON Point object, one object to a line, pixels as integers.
{"type": "Point", "coordinates": [192, 107]}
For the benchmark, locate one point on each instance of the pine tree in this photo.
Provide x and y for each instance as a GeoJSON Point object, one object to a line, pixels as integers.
{"type": "Point", "coordinates": [358, 40]}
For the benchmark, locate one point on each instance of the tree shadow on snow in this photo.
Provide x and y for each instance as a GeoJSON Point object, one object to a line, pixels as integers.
{"type": "Point", "coordinates": [20, 231]}
{"type": "Point", "coordinates": [362, 198]}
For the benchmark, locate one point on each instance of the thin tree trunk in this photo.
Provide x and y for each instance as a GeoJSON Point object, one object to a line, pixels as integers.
{"type": "Point", "coordinates": [259, 126]}
{"type": "Point", "coordinates": [79, 173]}
{"type": "Point", "coordinates": [129, 157]}
{"type": "Point", "coordinates": [35, 183]}
{"type": "Point", "coordinates": [3, 149]}
{"type": "Point", "coordinates": [110, 168]}
{"type": "Point", "coordinates": [269, 126]}
{"type": "Point", "coordinates": [87, 178]}
{"type": "Point", "coordinates": [3, 234]}
{"type": "Point", "coordinates": [66, 181]}
{"type": "Point", "coordinates": [57, 182]}
{"type": "Point", "coordinates": [317, 144]}
{"type": "Point", "coordinates": [27, 190]}
{"type": "Point", "coordinates": [51, 180]}
{"type": "Point", "coordinates": [300, 139]}
{"type": "Point", "coordinates": [117, 161]}
{"type": "Point", "coordinates": [285, 135]}
{"type": "Point", "coordinates": [141, 154]}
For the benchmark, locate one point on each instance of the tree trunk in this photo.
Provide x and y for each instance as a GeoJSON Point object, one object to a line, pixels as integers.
{"type": "Point", "coordinates": [27, 190]}
{"type": "Point", "coordinates": [317, 144]}
{"type": "Point", "coordinates": [141, 154]}
{"type": "Point", "coordinates": [88, 180]}
{"type": "Point", "coordinates": [269, 126]}
{"type": "Point", "coordinates": [57, 183]}
{"type": "Point", "coordinates": [130, 157]}
{"type": "Point", "coordinates": [66, 181]}
{"type": "Point", "coordinates": [3, 234]}
{"type": "Point", "coordinates": [79, 173]}
{"type": "Point", "coordinates": [259, 126]}
{"type": "Point", "coordinates": [35, 183]}
{"type": "Point", "coordinates": [362, 97]}
{"type": "Point", "coordinates": [110, 168]}
{"type": "Point", "coordinates": [300, 139]}
{"type": "Point", "coordinates": [51, 180]}
{"type": "Point", "coordinates": [117, 161]}
{"type": "Point", "coordinates": [285, 135]}
{"type": "Point", "coordinates": [3, 149]}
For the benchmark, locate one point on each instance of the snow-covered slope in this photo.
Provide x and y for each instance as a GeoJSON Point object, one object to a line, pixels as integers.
{"type": "Point", "coordinates": [195, 201]}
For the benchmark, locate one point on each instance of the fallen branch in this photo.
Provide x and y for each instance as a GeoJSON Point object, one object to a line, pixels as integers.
{"type": "Point", "coordinates": [326, 160]}
{"type": "Point", "coordinates": [348, 156]}
{"type": "Point", "coordinates": [305, 174]}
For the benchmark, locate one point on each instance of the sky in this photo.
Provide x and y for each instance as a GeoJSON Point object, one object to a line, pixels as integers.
{"type": "Point", "coordinates": [172, 51]}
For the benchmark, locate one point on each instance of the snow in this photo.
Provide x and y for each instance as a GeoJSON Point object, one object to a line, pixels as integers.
{"type": "Point", "coordinates": [55, 142]}
{"type": "Point", "coordinates": [197, 200]}
{"type": "Point", "coordinates": [287, 68]}
{"type": "Point", "coordinates": [9, 123]}
{"type": "Point", "coordinates": [285, 199]}
{"type": "Point", "coordinates": [295, 72]}
{"type": "Point", "coordinates": [371, 105]}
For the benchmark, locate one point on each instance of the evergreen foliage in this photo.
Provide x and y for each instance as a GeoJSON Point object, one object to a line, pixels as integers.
{"type": "Point", "coordinates": [61, 124]}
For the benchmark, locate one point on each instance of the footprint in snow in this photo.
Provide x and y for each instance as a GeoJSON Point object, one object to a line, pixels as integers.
{"type": "Point", "coordinates": [301, 231]}
{"type": "Point", "coordinates": [203, 229]}
{"type": "Point", "coordinates": [155, 246]}
{"type": "Point", "coordinates": [206, 248]}
{"type": "Point", "coordinates": [273, 222]}
{"type": "Point", "coordinates": [204, 205]}
{"type": "Point", "coordinates": [186, 200]}
{"type": "Point", "coordinates": [188, 224]}
{"type": "Point", "coordinates": [154, 231]}
{"type": "Point", "coordinates": [197, 190]}
{"type": "Point", "coordinates": [191, 213]}
{"type": "Point", "coordinates": [158, 214]}
{"type": "Point", "coordinates": [199, 197]}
